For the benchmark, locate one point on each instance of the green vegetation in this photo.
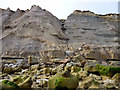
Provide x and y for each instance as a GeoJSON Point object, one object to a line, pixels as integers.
{"type": "Point", "coordinates": [60, 81]}
{"type": "Point", "coordinates": [8, 84]}
{"type": "Point", "coordinates": [107, 70]}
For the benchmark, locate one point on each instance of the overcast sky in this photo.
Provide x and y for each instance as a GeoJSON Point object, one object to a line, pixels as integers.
{"type": "Point", "coordinates": [63, 8]}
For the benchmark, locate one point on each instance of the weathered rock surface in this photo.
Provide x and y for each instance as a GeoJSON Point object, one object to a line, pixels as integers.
{"type": "Point", "coordinates": [26, 32]}
{"type": "Point", "coordinates": [87, 27]}
{"type": "Point", "coordinates": [63, 80]}
{"type": "Point", "coordinates": [83, 49]}
{"type": "Point", "coordinates": [30, 31]}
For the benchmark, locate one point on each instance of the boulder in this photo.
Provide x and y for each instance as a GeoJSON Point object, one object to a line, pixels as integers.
{"type": "Point", "coordinates": [47, 71]}
{"type": "Point", "coordinates": [35, 85]}
{"type": "Point", "coordinates": [86, 83]}
{"type": "Point", "coordinates": [96, 85]}
{"type": "Point", "coordinates": [69, 65]}
{"type": "Point", "coordinates": [114, 55]}
{"type": "Point", "coordinates": [43, 83]}
{"type": "Point", "coordinates": [78, 58]}
{"type": "Point", "coordinates": [63, 80]}
{"type": "Point", "coordinates": [39, 72]}
{"type": "Point", "coordinates": [54, 71]}
{"type": "Point", "coordinates": [91, 68]}
{"type": "Point", "coordinates": [109, 84]}
{"type": "Point", "coordinates": [91, 54]}
{"type": "Point", "coordinates": [75, 74]}
{"type": "Point", "coordinates": [115, 63]}
{"type": "Point", "coordinates": [75, 69]}
{"type": "Point", "coordinates": [69, 53]}
{"type": "Point", "coordinates": [35, 60]}
{"type": "Point", "coordinates": [25, 66]}
{"type": "Point", "coordinates": [116, 78]}
{"type": "Point", "coordinates": [16, 69]}
{"type": "Point", "coordinates": [105, 77]}
{"type": "Point", "coordinates": [7, 70]}
{"type": "Point", "coordinates": [104, 55]}
{"type": "Point", "coordinates": [96, 77]}
{"type": "Point", "coordinates": [35, 67]}
{"type": "Point", "coordinates": [20, 79]}
{"type": "Point", "coordinates": [82, 74]}
{"type": "Point", "coordinates": [60, 68]}
{"type": "Point", "coordinates": [52, 54]}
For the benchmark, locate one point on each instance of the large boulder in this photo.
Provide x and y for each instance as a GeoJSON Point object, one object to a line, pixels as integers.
{"type": "Point", "coordinates": [20, 79]}
{"type": "Point", "coordinates": [63, 80]}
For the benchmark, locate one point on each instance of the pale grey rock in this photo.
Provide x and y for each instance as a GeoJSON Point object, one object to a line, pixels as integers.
{"type": "Point", "coordinates": [28, 32]}
{"type": "Point", "coordinates": [91, 28]}
{"type": "Point", "coordinates": [31, 31]}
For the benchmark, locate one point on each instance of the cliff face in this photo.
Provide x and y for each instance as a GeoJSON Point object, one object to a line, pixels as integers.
{"type": "Point", "coordinates": [91, 28]}
{"type": "Point", "coordinates": [36, 29]}
{"type": "Point", "coordinates": [30, 30]}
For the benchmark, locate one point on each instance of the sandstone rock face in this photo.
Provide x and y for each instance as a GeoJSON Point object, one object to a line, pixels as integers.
{"type": "Point", "coordinates": [87, 27]}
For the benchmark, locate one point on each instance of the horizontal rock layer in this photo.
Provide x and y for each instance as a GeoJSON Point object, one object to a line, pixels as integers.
{"type": "Point", "coordinates": [26, 32]}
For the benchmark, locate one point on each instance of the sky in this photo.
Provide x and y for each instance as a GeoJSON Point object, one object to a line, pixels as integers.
{"type": "Point", "coordinates": [63, 8]}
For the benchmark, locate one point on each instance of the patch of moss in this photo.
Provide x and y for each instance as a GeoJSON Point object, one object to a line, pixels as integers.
{"type": "Point", "coordinates": [8, 83]}
{"type": "Point", "coordinates": [59, 81]}
{"type": "Point", "coordinates": [5, 81]}
{"type": "Point", "coordinates": [107, 70]}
